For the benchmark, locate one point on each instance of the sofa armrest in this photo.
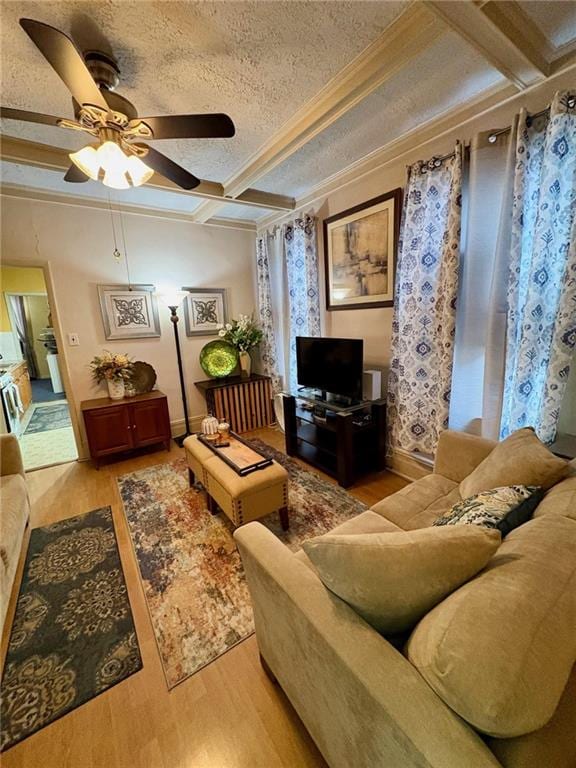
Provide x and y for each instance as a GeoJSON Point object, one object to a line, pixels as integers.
{"type": "Point", "coordinates": [363, 703]}
{"type": "Point", "coordinates": [459, 453]}
{"type": "Point", "coordinates": [10, 456]}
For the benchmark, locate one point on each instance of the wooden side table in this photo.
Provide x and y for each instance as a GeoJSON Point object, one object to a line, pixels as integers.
{"type": "Point", "coordinates": [118, 426]}
{"type": "Point", "coordinates": [245, 402]}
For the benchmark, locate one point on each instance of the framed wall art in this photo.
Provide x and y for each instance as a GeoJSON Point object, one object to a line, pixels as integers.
{"type": "Point", "coordinates": [205, 310]}
{"type": "Point", "coordinates": [129, 311]}
{"type": "Point", "coordinates": [360, 253]}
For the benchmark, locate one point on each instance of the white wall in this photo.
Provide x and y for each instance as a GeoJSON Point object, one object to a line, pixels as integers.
{"type": "Point", "coordinates": [77, 242]}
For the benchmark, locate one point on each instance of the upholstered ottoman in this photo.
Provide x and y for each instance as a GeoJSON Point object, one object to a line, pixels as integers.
{"type": "Point", "coordinates": [241, 498]}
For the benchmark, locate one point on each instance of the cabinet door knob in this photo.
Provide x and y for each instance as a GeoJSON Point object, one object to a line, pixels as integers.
{"type": "Point", "coordinates": [133, 426]}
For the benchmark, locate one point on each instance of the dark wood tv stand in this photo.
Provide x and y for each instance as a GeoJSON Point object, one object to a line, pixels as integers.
{"type": "Point", "coordinates": [340, 445]}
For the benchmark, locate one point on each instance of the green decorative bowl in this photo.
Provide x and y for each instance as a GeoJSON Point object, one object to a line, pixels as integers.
{"type": "Point", "coordinates": [218, 358]}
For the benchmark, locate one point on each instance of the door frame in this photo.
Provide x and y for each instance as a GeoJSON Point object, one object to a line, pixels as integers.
{"type": "Point", "coordinates": [45, 266]}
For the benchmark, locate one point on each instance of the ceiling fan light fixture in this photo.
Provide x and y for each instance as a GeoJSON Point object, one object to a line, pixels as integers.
{"type": "Point", "coordinates": [86, 159]}
{"type": "Point", "coordinates": [138, 171]}
{"type": "Point", "coordinates": [116, 179]}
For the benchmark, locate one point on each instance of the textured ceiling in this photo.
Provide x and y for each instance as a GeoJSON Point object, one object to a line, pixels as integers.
{"type": "Point", "coordinates": [444, 75]}
{"type": "Point", "coordinates": [257, 61]}
{"type": "Point", "coordinates": [557, 20]}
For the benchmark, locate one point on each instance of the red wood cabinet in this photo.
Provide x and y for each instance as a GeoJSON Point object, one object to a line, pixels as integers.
{"type": "Point", "coordinates": [116, 426]}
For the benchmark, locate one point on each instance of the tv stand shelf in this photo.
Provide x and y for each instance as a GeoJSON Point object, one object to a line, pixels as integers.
{"type": "Point", "coordinates": [341, 446]}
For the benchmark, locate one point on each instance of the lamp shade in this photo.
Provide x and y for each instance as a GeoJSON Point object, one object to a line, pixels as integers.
{"type": "Point", "coordinates": [171, 297]}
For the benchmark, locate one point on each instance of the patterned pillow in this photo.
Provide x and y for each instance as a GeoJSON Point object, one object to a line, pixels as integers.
{"type": "Point", "coordinates": [503, 508]}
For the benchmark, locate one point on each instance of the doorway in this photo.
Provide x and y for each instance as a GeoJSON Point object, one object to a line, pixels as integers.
{"type": "Point", "coordinates": [34, 403]}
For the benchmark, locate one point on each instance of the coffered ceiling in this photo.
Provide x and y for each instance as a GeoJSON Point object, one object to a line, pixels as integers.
{"type": "Point", "coordinates": [311, 86]}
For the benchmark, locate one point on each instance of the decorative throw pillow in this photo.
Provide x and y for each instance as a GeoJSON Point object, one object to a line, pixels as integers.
{"type": "Point", "coordinates": [521, 459]}
{"type": "Point", "coordinates": [393, 579]}
{"type": "Point", "coordinates": [502, 508]}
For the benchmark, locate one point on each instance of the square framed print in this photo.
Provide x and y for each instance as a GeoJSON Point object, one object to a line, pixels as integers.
{"type": "Point", "coordinates": [360, 253]}
{"type": "Point", "coordinates": [129, 311]}
{"type": "Point", "coordinates": [205, 310]}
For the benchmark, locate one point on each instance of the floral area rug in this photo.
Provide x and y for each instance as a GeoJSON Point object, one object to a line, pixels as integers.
{"type": "Point", "coordinates": [191, 571]}
{"type": "Point", "coordinates": [48, 417]}
{"type": "Point", "coordinates": [73, 635]}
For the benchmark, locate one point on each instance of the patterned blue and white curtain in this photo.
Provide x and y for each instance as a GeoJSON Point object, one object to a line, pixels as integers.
{"type": "Point", "coordinates": [265, 314]}
{"type": "Point", "coordinates": [423, 328]}
{"type": "Point", "coordinates": [541, 322]}
{"type": "Point", "coordinates": [301, 252]}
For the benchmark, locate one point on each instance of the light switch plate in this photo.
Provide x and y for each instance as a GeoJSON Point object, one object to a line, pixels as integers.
{"type": "Point", "coordinates": [73, 340]}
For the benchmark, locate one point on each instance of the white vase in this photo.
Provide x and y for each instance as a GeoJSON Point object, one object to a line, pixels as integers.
{"type": "Point", "coordinates": [115, 389]}
{"type": "Point", "coordinates": [245, 364]}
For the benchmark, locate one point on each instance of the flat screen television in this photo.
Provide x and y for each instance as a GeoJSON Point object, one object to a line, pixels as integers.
{"type": "Point", "coordinates": [331, 365]}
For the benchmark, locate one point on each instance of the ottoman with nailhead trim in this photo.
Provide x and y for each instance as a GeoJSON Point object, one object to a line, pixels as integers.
{"type": "Point", "coordinates": [241, 498]}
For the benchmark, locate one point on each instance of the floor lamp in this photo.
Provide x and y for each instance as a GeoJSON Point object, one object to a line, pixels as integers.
{"type": "Point", "coordinates": [173, 299]}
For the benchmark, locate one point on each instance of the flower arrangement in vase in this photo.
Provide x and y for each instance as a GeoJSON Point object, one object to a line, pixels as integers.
{"type": "Point", "coordinates": [115, 370]}
{"type": "Point", "coordinates": [243, 334]}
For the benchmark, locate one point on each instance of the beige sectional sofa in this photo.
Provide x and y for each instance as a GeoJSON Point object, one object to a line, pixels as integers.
{"type": "Point", "coordinates": [486, 678]}
{"type": "Point", "coordinates": [14, 516]}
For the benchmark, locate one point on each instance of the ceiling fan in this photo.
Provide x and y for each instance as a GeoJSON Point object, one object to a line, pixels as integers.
{"type": "Point", "coordinates": [117, 159]}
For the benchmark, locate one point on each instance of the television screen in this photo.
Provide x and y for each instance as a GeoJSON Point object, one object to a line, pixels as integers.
{"type": "Point", "coordinates": [332, 365]}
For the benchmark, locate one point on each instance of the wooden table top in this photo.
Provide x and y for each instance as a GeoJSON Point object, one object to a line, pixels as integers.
{"type": "Point", "coordinates": [106, 402]}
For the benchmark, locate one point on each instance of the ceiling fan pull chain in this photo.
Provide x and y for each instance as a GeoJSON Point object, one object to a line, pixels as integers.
{"type": "Point", "coordinates": [116, 253]}
{"type": "Point", "coordinates": [125, 249]}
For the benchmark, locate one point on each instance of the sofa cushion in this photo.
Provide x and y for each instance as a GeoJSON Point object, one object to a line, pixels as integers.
{"type": "Point", "coordinates": [420, 503]}
{"type": "Point", "coordinates": [499, 650]}
{"type": "Point", "coordinates": [521, 459]}
{"type": "Point", "coordinates": [14, 516]}
{"type": "Point", "coordinates": [501, 508]}
{"type": "Point", "coordinates": [560, 500]}
{"type": "Point", "coordinates": [552, 746]}
{"type": "Point", "coordinates": [393, 579]}
{"type": "Point", "coordinates": [366, 522]}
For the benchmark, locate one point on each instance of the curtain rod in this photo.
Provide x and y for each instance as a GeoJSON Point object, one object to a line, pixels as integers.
{"type": "Point", "coordinates": [494, 135]}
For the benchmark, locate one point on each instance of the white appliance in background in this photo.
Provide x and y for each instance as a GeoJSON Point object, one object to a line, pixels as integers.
{"type": "Point", "coordinates": [54, 368]}
{"type": "Point", "coordinates": [48, 338]}
{"type": "Point", "coordinates": [11, 405]}
{"type": "Point", "coordinates": [371, 385]}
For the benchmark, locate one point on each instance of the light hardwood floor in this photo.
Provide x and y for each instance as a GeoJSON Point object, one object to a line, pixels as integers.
{"type": "Point", "coordinates": [228, 715]}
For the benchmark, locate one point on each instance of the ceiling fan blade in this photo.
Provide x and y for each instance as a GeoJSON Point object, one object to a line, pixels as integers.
{"type": "Point", "coordinates": [59, 50]}
{"type": "Point", "coordinates": [216, 126]}
{"type": "Point", "coordinates": [169, 169]}
{"type": "Point", "coordinates": [28, 117]}
{"type": "Point", "coordinates": [75, 175]}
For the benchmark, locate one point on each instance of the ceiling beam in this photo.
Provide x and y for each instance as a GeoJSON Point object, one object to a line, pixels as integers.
{"type": "Point", "coordinates": [412, 32]}
{"type": "Point", "coordinates": [521, 29]}
{"type": "Point", "coordinates": [77, 201]}
{"type": "Point", "coordinates": [37, 155]}
{"type": "Point", "coordinates": [506, 48]}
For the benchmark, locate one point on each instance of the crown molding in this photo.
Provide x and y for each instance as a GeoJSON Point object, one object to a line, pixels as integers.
{"type": "Point", "coordinates": [410, 142]}
{"type": "Point", "coordinates": [409, 34]}
{"type": "Point", "coordinates": [399, 147]}
{"type": "Point", "coordinates": [37, 155]}
{"type": "Point", "coordinates": [57, 198]}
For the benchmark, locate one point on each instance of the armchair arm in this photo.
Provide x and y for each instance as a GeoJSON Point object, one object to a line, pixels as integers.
{"type": "Point", "coordinates": [363, 703]}
{"type": "Point", "coordinates": [458, 453]}
{"type": "Point", "coordinates": [10, 456]}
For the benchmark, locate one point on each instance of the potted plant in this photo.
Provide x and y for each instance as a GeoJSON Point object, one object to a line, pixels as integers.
{"type": "Point", "coordinates": [114, 370]}
{"type": "Point", "coordinates": [243, 334]}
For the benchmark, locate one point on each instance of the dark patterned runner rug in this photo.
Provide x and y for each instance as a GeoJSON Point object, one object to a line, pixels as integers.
{"type": "Point", "coordinates": [191, 571]}
{"type": "Point", "coordinates": [73, 635]}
